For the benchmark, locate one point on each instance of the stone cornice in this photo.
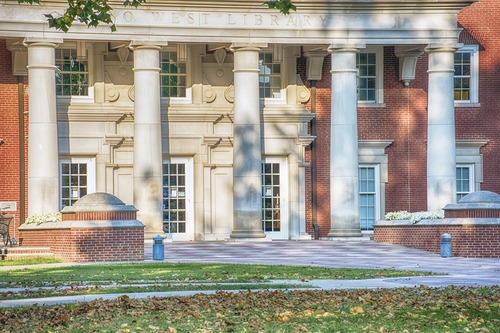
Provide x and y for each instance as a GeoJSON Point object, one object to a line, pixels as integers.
{"type": "Point", "coordinates": [301, 4]}
{"type": "Point", "coordinates": [362, 21]}
{"type": "Point", "coordinates": [95, 113]}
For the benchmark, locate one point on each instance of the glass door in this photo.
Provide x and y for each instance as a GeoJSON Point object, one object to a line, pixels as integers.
{"type": "Point", "coordinates": [274, 198]}
{"type": "Point", "coordinates": [177, 199]}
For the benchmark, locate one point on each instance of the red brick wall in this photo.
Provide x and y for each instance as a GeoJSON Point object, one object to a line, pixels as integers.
{"type": "Point", "coordinates": [403, 119]}
{"type": "Point", "coordinates": [93, 216]}
{"type": "Point", "coordinates": [9, 132]}
{"type": "Point", "coordinates": [466, 240]}
{"type": "Point", "coordinates": [480, 20]}
{"type": "Point", "coordinates": [89, 244]}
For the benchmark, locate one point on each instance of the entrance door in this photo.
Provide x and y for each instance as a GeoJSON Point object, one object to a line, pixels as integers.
{"type": "Point", "coordinates": [178, 199]}
{"type": "Point", "coordinates": [275, 198]}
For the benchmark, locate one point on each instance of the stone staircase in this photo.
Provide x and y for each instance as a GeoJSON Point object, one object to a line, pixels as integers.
{"type": "Point", "coordinates": [20, 252]}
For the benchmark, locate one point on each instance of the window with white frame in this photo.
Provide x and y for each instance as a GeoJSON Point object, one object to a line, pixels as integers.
{"type": "Point", "coordinates": [275, 222]}
{"type": "Point", "coordinates": [271, 203]}
{"type": "Point", "coordinates": [172, 75]}
{"type": "Point", "coordinates": [178, 198]}
{"type": "Point", "coordinates": [72, 74]}
{"type": "Point", "coordinates": [373, 174]}
{"type": "Point", "coordinates": [368, 196]}
{"type": "Point", "coordinates": [369, 63]}
{"type": "Point", "coordinates": [465, 180]}
{"type": "Point", "coordinates": [77, 178]}
{"type": "Point", "coordinates": [469, 168]}
{"type": "Point", "coordinates": [465, 80]}
{"type": "Point", "coordinates": [269, 75]}
{"type": "Point", "coordinates": [174, 197]}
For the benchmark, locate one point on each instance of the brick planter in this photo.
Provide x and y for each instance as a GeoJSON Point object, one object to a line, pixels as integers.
{"type": "Point", "coordinates": [99, 227]}
{"type": "Point", "coordinates": [473, 223]}
{"type": "Point", "coordinates": [477, 238]}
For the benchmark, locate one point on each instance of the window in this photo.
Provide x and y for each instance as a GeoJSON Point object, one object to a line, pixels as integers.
{"type": "Point", "coordinates": [367, 197]}
{"type": "Point", "coordinates": [174, 197]}
{"type": "Point", "coordinates": [373, 174]}
{"type": "Point", "coordinates": [465, 82]}
{"type": "Point", "coordinates": [269, 75]}
{"type": "Point", "coordinates": [77, 179]}
{"type": "Point", "coordinates": [72, 75]}
{"type": "Point", "coordinates": [367, 78]}
{"type": "Point", "coordinates": [370, 77]}
{"type": "Point", "coordinates": [178, 198]}
{"type": "Point", "coordinates": [271, 206]}
{"type": "Point", "coordinates": [275, 222]}
{"type": "Point", "coordinates": [465, 180]}
{"type": "Point", "coordinates": [172, 75]}
{"type": "Point", "coordinates": [469, 168]}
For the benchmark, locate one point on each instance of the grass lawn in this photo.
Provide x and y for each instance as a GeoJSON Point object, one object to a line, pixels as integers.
{"type": "Point", "coordinates": [403, 310]}
{"type": "Point", "coordinates": [30, 261]}
{"type": "Point", "coordinates": [150, 277]}
{"type": "Point", "coordinates": [183, 272]}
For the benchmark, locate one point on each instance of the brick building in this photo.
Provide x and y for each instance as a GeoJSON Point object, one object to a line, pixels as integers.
{"type": "Point", "coordinates": [238, 122]}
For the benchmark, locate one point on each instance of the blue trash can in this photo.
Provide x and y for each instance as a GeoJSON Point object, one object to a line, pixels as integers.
{"type": "Point", "coordinates": [446, 245]}
{"type": "Point", "coordinates": [158, 248]}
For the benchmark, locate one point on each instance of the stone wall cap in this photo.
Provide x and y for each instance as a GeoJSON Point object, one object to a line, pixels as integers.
{"type": "Point", "coordinates": [443, 222]}
{"type": "Point", "coordinates": [99, 202]}
{"type": "Point", "coordinates": [83, 224]}
{"type": "Point", "coordinates": [477, 200]}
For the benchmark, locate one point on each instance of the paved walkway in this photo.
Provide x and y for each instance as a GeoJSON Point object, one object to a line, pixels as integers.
{"type": "Point", "coordinates": [353, 254]}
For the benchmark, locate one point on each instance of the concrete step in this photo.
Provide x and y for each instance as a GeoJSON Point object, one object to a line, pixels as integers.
{"type": "Point", "coordinates": [12, 253]}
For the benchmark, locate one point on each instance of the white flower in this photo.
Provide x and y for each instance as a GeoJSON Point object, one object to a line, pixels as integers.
{"type": "Point", "coordinates": [43, 218]}
{"type": "Point", "coordinates": [414, 217]}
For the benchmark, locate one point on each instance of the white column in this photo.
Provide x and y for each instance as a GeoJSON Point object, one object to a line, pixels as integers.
{"type": "Point", "coordinates": [344, 194]}
{"type": "Point", "coordinates": [148, 185]}
{"type": "Point", "coordinates": [247, 156]}
{"type": "Point", "coordinates": [441, 155]}
{"type": "Point", "coordinates": [43, 154]}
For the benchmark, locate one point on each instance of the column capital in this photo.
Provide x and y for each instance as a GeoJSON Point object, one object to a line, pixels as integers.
{"type": "Point", "coordinates": [247, 46]}
{"type": "Point", "coordinates": [335, 47]}
{"type": "Point", "coordinates": [431, 48]}
{"type": "Point", "coordinates": [147, 44]}
{"type": "Point", "coordinates": [36, 41]}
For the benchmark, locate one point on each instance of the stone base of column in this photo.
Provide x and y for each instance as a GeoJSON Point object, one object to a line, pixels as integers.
{"type": "Point", "coordinates": [248, 235]}
{"type": "Point", "coordinates": [150, 234]}
{"type": "Point", "coordinates": [153, 223]}
{"type": "Point", "coordinates": [334, 233]}
{"type": "Point", "coordinates": [303, 236]}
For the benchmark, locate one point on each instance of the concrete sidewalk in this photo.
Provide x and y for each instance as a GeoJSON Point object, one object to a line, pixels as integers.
{"type": "Point", "coordinates": [346, 254]}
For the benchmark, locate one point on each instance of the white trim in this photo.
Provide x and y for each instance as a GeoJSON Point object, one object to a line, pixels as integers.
{"type": "Point", "coordinates": [377, 188]}
{"type": "Point", "coordinates": [91, 173]}
{"type": "Point", "coordinates": [379, 89]}
{"type": "Point", "coordinates": [469, 152]}
{"type": "Point", "coordinates": [472, 182]}
{"type": "Point", "coordinates": [372, 152]}
{"type": "Point", "coordinates": [474, 76]}
{"type": "Point", "coordinates": [189, 179]}
{"type": "Point", "coordinates": [284, 204]}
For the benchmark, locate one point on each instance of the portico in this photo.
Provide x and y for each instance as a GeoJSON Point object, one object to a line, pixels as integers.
{"type": "Point", "coordinates": [200, 118]}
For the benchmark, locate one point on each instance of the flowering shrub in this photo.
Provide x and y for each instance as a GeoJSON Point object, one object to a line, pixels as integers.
{"type": "Point", "coordinates": [42, 218]}
{"type": "Point", "coordinates": [414, 217]}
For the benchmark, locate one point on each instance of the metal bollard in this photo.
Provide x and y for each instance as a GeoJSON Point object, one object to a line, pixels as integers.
{"type": "Point", "coordinates": [158, 248]}
{"type": "Point", "coordinates": [446, 245]}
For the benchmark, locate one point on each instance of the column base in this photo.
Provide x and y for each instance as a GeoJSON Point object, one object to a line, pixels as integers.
{"type": "Point", "coordinates": [345, 233]}
{"type": "Point", "coordinates": [303, 236]}
{"type": "Point", "coordinates": [247, 234]}
{"type": "Point", "coordinates": [149, 234]}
